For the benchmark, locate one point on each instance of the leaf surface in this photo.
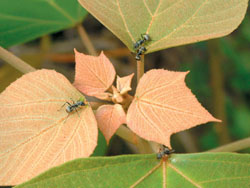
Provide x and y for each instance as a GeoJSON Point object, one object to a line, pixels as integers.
{"type": "Point", "coordinates": [168, 22]}
{"type": "Point", "coordinates": [109, 118]}
{"type": "Point", "coordinates": [94, 75]}
{"type": "Point", "coordinates": [22, 21]}
{"type": "Point", "coordinates": [222, 170]}
{"type": "Point", "coordinates": [163, 105]}
{"type": "Point", "coordinates": [36, 132]}
{"type": "Point", "coordinates": [123, 84]}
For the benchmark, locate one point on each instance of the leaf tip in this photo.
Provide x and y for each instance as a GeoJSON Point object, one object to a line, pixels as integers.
{"type": "Point", "coordinates": [75, 51]}
{"type": "Point", "coordinates": [217, 120]}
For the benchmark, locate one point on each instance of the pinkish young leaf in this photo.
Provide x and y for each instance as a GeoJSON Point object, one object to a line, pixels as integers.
{"type": "Point", "coordinates": [36, 132]}
{"type": "Point", "coordinates": [94, 75]}
{"type": "Point", "coordinates": [117, 97]}
{"type": "Point", "coordinates": [163, 105]}
{"type": "Point", "coordinates": [109, 118]}
{"type": "Point", "coordinates": [124, 84]}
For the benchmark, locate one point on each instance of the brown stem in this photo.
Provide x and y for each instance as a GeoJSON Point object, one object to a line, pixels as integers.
{"type": "Point", "coordinates": [126, 134]}
{"type": "Point", "coordinates": [218, 92]}
{"type": "Point", "coordinates": [95, 105]}
{"type": "Point", "coordinates": [234, 146]}
{"type": "Point", "coordinates": [14, 61]}
{"type": "Point", "coordinates": [142, 145]}
{"type": "Point", "coordinates": [140, 68]}
{"type": "Point", "coordinates": [86, 41]}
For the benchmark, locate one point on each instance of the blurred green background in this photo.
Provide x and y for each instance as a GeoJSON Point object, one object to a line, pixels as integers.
{"type": "Point", "coordinates": [219, 69]}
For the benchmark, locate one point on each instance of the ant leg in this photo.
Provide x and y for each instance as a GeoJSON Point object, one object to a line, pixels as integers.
{"type": "Point", "coordinates": [72, 100]}
{"type": "Point", "coordinates": [64, 105]}
{"type": "Point", "coordinates": [77, 113]}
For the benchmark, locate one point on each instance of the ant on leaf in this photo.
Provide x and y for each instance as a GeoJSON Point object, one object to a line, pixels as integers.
{"type": "Point", "coordinates": [164, 152]}
{"type": "Point", "coordinates": [74, 106]}
{"type": "Point", "coordinates": [144, 38]}
{"type": "Point", "coordinates": [139, 46]}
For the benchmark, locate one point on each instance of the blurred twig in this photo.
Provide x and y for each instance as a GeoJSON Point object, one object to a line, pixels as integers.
{"type": "Point", "coordinates": [70, 58]}
{"type": "Point", "coordinates": [15, 61]}
{"type": "Point", "coordinates": [234, 146]}
{"type": "Point", "coordinates": [218, 92]}
{"type": "Point", "coordinates": [119, 52]}
{"type": "Point", "coordinates": [86, 41]}
{"type": "Point", "coordinates": [45, 45]}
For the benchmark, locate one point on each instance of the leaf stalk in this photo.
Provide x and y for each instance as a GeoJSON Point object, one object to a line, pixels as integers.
{"type": "Point", "coordinates": [16, 62]}
{"type": "Point", "coordinates": [234, 146]}
{"type": "Point", "coordinates": [86, 40]}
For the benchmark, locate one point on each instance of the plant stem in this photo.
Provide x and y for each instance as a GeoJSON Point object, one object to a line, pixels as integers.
{"type": "Point", "coordinates": [234, 146]}
{"type": "Point", "coordinates": [86, 40]}
{"type": "Point", "coordinates": [142, 145]}
{"type": "Point", "coordinates": [140, 68]}
{"type": "Point", "coordinates": [125, 134]}
{"type": "Point", "coordinates": [132, 138]}
{"type": "Point", "coordinates": [14, 61]}
{"type": "Point", "coordinates": [96, 105]}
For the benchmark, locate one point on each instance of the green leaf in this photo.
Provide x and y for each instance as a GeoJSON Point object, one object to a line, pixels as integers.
{"type": "Point", "coordinates": [168, 22]}
{"type": "Point", "coordinates": [101, 147]}
{"type": "Point", "coordinates": [24, 20]}
{"type": "Point", "coordinates": [181, 170]}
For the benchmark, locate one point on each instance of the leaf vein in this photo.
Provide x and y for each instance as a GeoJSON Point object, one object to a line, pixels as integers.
{"type": "Point", "coordinates": [124, 21]}
{"type": "Point", "coordinates": [66, 144]}
{"type": "Point", "coordinates": [59, 9]}
{"type": "Point", "coordinates": [146, 5]}
{"type": "Point", "coordinates": [151, 123]}
{"type": "Point", "coordinates": [184, 176]}
{"type": "Point", "coordinates": [153, 17]}
{"type": "Point", "coordinates": [180, 26]}
{"type": "Point", "coordinates": [146, 175]}
{"type": "Point", "coordinates": [30, 138]}
{"type": "Point", "coordinates": [222, 179]}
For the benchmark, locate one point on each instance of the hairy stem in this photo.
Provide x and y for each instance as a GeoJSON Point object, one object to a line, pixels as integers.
{"type": "Point", "coordinates": [234, 146]}
{"type": "Point", "coordinates": [140, 68]}
{"type": "Point", "coordinates": [14, 61]}
{"type": "Point", "coordinates": [86, 40]}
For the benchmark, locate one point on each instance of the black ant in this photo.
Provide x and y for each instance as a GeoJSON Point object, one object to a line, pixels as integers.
{"type": "Point", "coordinates": [74, 105]}
{"type": "Point", "coordinates": [144, 38]}
{"type": "Point", "coordinates": [139, 46]}
{"type": "Point", "coordinates": [139, 52]}
{"type": "Point", "coordinates": [165, 151]}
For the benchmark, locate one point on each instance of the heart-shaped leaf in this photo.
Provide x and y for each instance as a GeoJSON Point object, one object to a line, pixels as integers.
{"type": "Point", "coordinates": [168, 23]}
{"type": "Point", "coordinates": [94, 75]}
{"type": "Point", "coordinates": [36, 132]}
{"type": "Point", "coordinates": [163, 105]}
{"type": "Point", "coordinates": [25, 20]}
{"type": "Point", "coordinates": [221, 170]}
{"type": "Point", "coordinates": [109, 118]}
